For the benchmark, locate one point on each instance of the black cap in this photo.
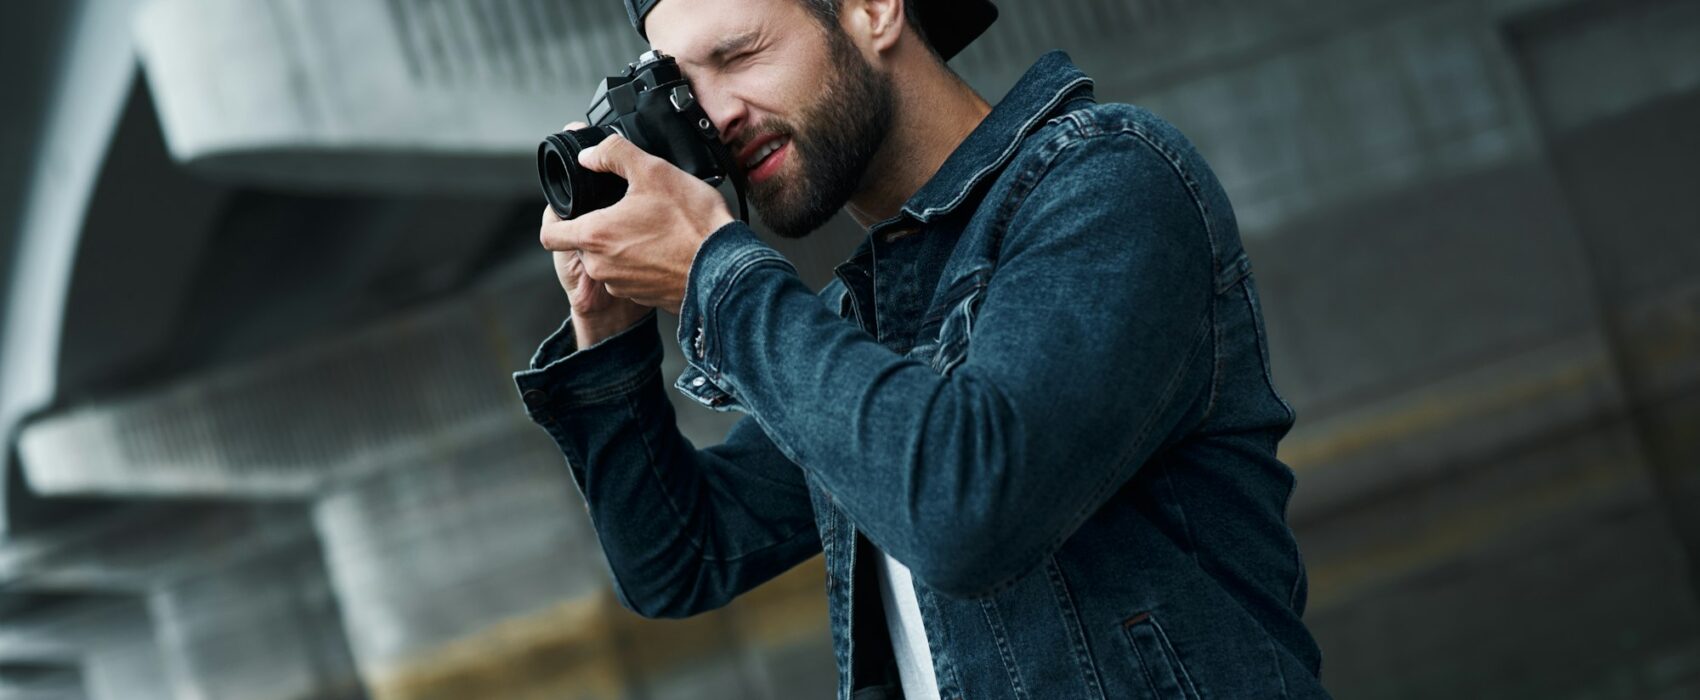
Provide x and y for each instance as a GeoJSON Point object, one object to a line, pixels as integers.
{"type": "Point", "coordinates": [950, 25]}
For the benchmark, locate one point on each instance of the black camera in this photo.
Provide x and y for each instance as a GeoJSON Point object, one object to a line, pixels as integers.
{"type": "Point", "coordinates": [652, 106]}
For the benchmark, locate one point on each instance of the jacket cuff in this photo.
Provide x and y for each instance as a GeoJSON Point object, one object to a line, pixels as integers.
{"type": "Point", "coordinates": [561, 375]}
{"type": "Point", "coordinates": [722, 260]}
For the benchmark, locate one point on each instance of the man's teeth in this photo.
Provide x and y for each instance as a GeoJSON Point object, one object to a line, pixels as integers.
{"type": "Point", "coordinates": [764, 152]}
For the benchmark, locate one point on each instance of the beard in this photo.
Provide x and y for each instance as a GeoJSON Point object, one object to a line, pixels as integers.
{"type": "Point", "coordinates": [836, 140]}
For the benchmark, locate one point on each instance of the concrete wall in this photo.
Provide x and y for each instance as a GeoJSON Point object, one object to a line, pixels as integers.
{"type": "Point", "coordinates": [1472, 222]}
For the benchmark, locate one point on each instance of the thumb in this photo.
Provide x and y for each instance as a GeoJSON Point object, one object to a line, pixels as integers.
{"type": "Point", "coordinates": [614, 155]}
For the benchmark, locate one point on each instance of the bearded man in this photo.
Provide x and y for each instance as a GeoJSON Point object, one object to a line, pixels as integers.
{"type": "Point", "coordinates": [1031, 423]}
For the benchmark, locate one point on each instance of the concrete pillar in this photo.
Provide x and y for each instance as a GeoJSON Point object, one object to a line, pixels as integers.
{"type": "Point", "coordinates": [475, 575]}
{"type": "Point", "coordinates": [266, 628]}
{"type": "Point", "coordinates": [479, 576]}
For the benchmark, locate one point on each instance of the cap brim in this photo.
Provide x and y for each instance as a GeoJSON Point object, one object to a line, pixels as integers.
{"type": "Point", "coordinates": [951, 25]}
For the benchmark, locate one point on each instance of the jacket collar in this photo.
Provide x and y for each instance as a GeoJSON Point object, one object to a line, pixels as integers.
{"type": "Point", "coordinates": [1052, 80]}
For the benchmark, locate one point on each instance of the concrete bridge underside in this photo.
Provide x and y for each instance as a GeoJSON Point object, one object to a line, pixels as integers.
{"type": "Point", "coordinates": [276, 260]}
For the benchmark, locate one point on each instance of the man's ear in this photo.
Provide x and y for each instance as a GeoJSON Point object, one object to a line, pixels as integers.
{"type": "Point", "coordinates": [875, 25]}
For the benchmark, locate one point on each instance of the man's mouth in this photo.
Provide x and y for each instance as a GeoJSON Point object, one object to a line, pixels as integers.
{"type": "Point", "coordinates": [762, 159]}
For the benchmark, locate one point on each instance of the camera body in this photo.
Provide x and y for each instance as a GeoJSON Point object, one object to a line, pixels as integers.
{"type": "Point", "coordinates": [651, 105]}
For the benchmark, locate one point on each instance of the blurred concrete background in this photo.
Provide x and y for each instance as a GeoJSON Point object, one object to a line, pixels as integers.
{"type": "Point", "coordinates": [266, 266]}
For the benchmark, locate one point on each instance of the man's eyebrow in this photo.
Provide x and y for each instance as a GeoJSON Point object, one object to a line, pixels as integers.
{"type": "Point", "coordinates": [730, 45]}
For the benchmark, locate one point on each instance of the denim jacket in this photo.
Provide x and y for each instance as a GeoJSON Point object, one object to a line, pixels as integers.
{"type": "Point", "coordinates": [1061, 419]}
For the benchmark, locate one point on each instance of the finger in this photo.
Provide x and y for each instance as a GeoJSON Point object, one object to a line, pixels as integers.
{"type": "Point", "coordinates": [592, 286]}
{"type": "Point", "coordinates": [549, 215]}
{"type": "Point", "coordinates": [568, 263]}
{"type": "Point", "coordinates": [610, 218]}
{"type": "Point", "coordinates": [629, 294]}
{"type": "Point", "coordinates": [618, 156]}
{"type": "Point", "coordinates": [577, 234]}
{"type": "Point", "coordinates": [574, 126]}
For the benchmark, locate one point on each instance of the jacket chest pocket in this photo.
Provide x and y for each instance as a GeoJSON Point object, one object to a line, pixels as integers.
{"type": "Point", "coordinates": [943, 340]}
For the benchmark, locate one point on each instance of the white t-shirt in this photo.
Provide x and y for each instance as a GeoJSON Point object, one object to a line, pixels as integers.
{"type": "Point", "coordinates": [908, 636]}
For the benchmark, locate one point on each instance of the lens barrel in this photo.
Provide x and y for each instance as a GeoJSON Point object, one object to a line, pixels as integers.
{"type": "Point", "coordinates": [570, 188]}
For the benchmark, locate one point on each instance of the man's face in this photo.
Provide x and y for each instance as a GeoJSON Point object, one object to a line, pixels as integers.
{"type": "Point", "coordinates": [799, 106]}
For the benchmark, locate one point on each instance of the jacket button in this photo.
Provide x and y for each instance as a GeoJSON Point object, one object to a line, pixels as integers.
{"type": "Point", "coordinates": [699, 381]}
{"type": "Point", "coordinates": [534, 397]}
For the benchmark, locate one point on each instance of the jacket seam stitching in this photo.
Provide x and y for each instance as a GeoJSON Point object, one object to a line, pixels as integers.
{"type": "Point", "coordinates": [1008, 151]}
{"type": "Point", "coordinates": [1071, 623]}
{"type": "Point", "coordinates": [1263, 357]}
{"type": "Point", "coordinates": [741, 267]}
{"type": "Point", "coordinates": [576, 398]}
{"type": "Point", "coordinates": [1201, 208]}
{"type": "Point", "coordinates": [1000, 634]}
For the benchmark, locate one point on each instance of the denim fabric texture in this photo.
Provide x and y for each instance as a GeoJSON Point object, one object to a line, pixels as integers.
{"type": "Point", "coordinates": [1043, 386]}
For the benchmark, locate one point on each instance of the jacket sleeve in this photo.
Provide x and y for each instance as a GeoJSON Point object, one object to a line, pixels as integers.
{"type": "Point", "coordinates": [1085, 357]}
{"type": "Point", "coordinates": [684, 530]}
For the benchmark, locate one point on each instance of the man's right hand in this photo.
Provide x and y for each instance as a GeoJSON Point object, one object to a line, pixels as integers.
{"type": "Point", "coordinates": [596, 313]}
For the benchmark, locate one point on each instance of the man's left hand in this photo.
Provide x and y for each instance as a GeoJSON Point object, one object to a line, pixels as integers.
{"type": "Point", "coordinates": [642, 246]}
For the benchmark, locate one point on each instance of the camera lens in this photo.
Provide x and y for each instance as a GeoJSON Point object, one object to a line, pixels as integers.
{"type": "Point", "coordinates": [572, 190]}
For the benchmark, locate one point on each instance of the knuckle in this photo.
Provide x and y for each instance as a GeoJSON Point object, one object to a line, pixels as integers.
{"type": "Point", "coordinates": [593, 240]}
{"type": "Point", "coordinates": [592, 267]}
{"type": "Point", "coordinates": [628, 150]}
